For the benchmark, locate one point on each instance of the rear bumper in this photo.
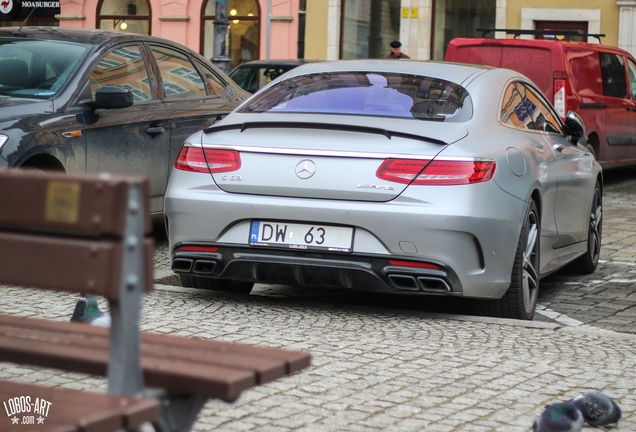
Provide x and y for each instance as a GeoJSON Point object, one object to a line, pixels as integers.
{"type": "Point", "coordinates": [360, 272]}
{"type": "Point", "coordinates": [470, 232]}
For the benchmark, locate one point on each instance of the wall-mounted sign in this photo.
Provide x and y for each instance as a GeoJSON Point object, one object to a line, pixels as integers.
{"type": "Point", "coordinates": [8, 9]}
{"type": "Point", "coordinates": [16, 9]}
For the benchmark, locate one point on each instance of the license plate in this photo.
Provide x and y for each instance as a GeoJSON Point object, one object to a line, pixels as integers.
{"type": "Point", "coordinates": [301, 236]}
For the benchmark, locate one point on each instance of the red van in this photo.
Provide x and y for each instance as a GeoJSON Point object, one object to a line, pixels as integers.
{"type": "Point", "coordinates": [596, 81]}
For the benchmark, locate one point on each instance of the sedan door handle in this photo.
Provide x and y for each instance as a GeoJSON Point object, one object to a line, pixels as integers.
{"type": "Point", "coordinates": [155, 130]}
{"type": "Point", "coordinates": [558, 147]}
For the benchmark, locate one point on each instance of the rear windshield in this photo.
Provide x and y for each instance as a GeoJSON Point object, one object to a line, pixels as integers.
{"type": "Point", "coordinates": [366, 93]}
{"type": "Point", "coordinates": [35, 68]}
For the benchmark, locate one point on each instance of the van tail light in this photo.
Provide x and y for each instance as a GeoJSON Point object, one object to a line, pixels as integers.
{"type": "Point", "coordinates": [442, 172]}
{"type": "Point", "coordinates": [207, 160]}
{"type": "Point", "coordinates": [559, 97]}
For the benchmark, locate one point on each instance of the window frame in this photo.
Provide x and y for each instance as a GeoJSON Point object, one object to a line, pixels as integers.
{"type": "Point", "coordinates": [159, 75]}
{"type": "Point", "coordinates": [537, 93]}
{"type": "Point", "coordinates": [149, 70]}
{"type": "Point", "coordinates": [99, 16]}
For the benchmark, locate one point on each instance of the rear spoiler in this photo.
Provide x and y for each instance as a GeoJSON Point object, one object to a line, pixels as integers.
{"type": "Point", "coordinates": [307, 125]}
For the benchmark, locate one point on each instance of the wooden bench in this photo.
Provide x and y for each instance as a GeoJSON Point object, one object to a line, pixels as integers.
{"type": "Point", "coordinates": [91, 234]}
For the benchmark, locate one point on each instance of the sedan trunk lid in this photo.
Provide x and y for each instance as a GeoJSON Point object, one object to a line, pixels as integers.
{"type": "Point", "coordinates": [326, 160]}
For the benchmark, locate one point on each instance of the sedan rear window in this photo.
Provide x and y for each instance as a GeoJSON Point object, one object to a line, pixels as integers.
{"type": "Point", "coordinates": [366, 93]}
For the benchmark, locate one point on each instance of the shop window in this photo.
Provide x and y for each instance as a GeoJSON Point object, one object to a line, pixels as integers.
{"type": "Point", "coordinates": [369, 27]}
{"type": "Point", "coordinates": [243, 33]}
{"type": "Point", "coordinates": [459, 18]}
{"type": "Point", "coordinates": [131, 16]}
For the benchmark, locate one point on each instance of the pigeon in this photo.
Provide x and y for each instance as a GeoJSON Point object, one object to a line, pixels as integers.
{"type": "Point", "coordinates": [87, 311]}
{"type": "Point", "coordinates": [598, 409]}
{"type": "Point", "coordinates": [559, 417]}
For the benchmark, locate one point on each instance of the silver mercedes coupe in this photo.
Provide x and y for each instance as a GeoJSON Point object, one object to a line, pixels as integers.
{"type": "Point", "coordinates": [406, 177]}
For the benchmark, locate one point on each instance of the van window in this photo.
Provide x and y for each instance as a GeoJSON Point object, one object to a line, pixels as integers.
{"type": "Point", "coordinates": [631, 66]}
{"type": "Point", "coordinates": [535, 63]}
{"type": "Point", "coordinates": [613, 71]}
{"type": "Point", "coordinates": [586, 72]}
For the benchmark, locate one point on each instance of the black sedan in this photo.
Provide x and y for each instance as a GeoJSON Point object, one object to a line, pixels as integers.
{"type": "Point", "coordinates": [86, 100]}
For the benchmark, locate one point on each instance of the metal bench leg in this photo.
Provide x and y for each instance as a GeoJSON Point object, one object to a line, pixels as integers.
{"type": "Point", "coordinates": [124, 370]}
{"type": "Point", "coordinates": [179, 412]}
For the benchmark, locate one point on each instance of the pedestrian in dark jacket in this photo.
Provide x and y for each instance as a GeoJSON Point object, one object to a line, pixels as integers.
{"type": "Point", "coordinates": [396, 51]}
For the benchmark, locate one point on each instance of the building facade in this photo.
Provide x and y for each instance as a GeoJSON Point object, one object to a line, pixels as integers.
{"type": "Point", "coordinates": [424, 27]}
{"type": "Point", "coordinates": [190, 22]}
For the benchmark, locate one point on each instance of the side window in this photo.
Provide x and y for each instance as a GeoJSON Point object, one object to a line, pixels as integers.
{"type": "Point", "coordinates": [180, 78]}
{"type": "Point", "coordinates": [513, 111]}
{"type": "Point", "coordinates": [631, 66]}
{"type": "Point", "coordinates": [543, 115]}
{"type": "Point", "coordinates": [214, 82]}
{"type": "Point", "coordinates": [613, 71]}
{"type": "Point", "coordinates": [586, 72]}
{"type": "Point", "coordinates": [124, 67]}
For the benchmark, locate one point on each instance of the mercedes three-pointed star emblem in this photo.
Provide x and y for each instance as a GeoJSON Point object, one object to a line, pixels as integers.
{"type": "Point", "coordinates": [305, 169]}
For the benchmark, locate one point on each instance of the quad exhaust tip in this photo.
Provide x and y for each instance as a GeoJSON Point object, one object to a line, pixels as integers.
{"type": "Point", "coordinates": [419, 283]}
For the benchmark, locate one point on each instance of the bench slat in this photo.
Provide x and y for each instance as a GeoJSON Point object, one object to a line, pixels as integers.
{"type": "Point", "coordinates": [267, 363]}
{"type": "Point", "coordinates": [78, 410]}
{"type": "Point", "coordinates": [178, 375]}
{"type": "Point", "coordinates": [93, 204]}
{"type": "Point", "coordinates": [266, 369]}
{"type": "Point", "coordinates": [65, 264]}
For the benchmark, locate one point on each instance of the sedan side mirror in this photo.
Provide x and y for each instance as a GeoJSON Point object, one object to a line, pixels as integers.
{"type": "Point", "coordinates": [110, 97]}
{"type": "Point", "coordinates": [574, 126]}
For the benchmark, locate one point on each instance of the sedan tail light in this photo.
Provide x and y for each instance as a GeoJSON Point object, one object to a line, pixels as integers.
{"type": "Point", "coordinates": [443, 172]}
{"type": "Point", "coordinates": [559, 97]}
{"type": "Point", "coordinates": [209, 161]}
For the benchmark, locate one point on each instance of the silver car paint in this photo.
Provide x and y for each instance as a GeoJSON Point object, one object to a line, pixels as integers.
{"type": "Point", "coordinates": [472, 228]}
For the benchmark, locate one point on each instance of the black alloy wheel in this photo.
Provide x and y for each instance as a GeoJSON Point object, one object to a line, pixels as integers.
{"type": "Point", "coordinates": [588, 262]}
{"type": "Point", "coordinates": [520, 300]}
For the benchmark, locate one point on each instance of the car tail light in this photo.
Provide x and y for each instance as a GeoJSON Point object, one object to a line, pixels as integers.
{"type": "Point", "coordinates": [437, 172]}
{"type": "Point", "coordinates": [414, 264]}
{"type": "Point", "coordinates": [198, 249]}
{"type": "Point", "coordinates": [401, 170]}
{"type": "Point", "coordinates": [559, 97]}
{"type": "Point", "coordinates": [209, 161]}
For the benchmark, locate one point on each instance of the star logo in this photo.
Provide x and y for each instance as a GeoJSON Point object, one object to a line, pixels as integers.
{"type": "Point", "coordinates": [40, 420]}
{"type": "Point", "coordinates": [15, 420]}
{"type": "Point", "coordinates": [305, 169]}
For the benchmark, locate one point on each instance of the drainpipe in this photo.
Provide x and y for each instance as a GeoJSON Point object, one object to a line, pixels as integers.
{"type": "Point", "coordinates": [269, 16]}
{"type": "Point", "coordinates": [302, 12]}
{"type": "Point", "coordinates": [221, 25]}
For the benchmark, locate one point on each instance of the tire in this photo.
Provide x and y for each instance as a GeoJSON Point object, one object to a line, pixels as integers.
{"type": "Point", "coordinates": [30, 168]}
{"type": "Point", "coordinates": [225, 285]}
{"type": "Point", "coordinates": [588, 262]}
{"type": "Point", "coordinates": [520, 301]}
{"type": "Point", "coordinates": [591, 150]}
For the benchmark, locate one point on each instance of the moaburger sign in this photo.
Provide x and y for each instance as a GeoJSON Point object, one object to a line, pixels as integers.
{"type": "Point", "coordinates": [10, 8]}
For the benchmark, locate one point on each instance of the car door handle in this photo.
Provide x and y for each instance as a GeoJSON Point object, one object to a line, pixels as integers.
{"type": "Point", "coordinates": [155, 130]}
{"type": "Point", "coordinates": [558, 147]}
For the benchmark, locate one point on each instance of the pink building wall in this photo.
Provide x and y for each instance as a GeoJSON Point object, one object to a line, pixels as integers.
{"type": "Point", "coordinates": [180, 21]}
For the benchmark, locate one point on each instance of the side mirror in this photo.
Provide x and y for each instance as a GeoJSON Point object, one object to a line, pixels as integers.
{"type": "Point", "coordinates": [574, 126]}
{"type": "Point", "coordinates": [109, 97]}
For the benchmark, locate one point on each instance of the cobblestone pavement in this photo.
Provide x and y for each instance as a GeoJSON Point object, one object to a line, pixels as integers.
{"type": "Point", "coordinates": [388, 364]}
